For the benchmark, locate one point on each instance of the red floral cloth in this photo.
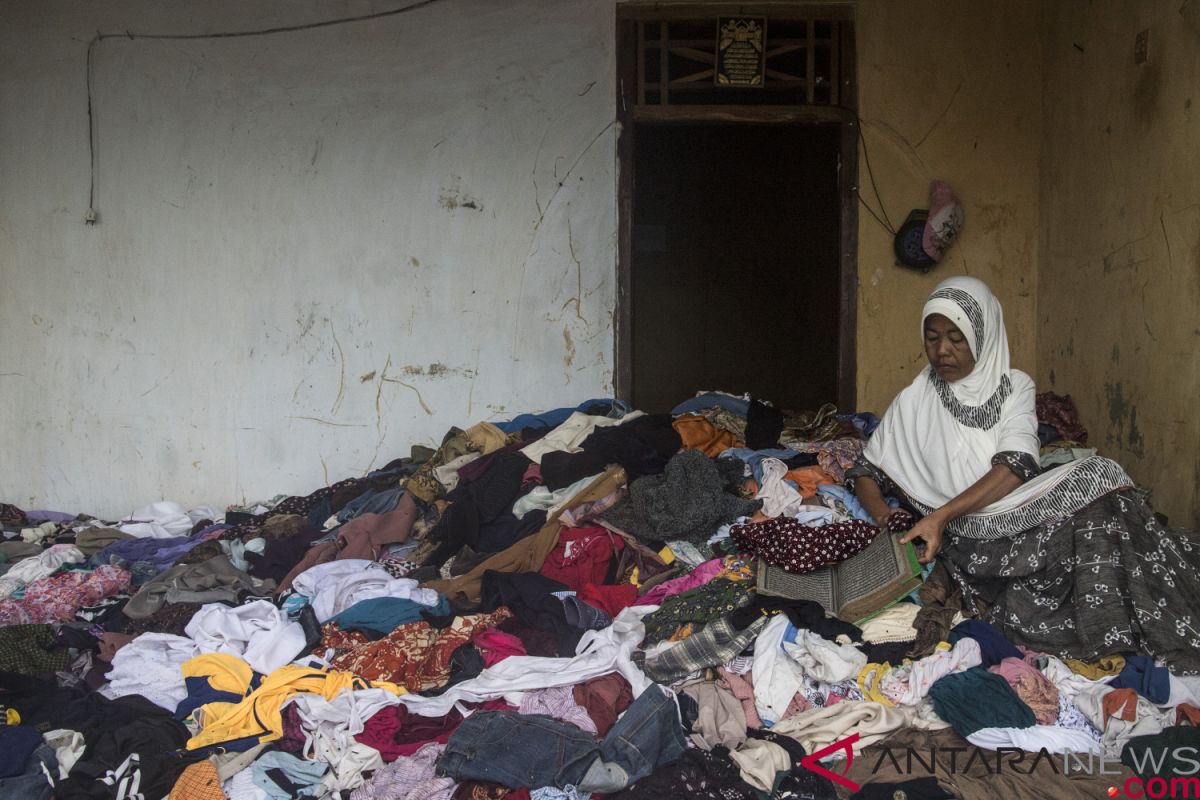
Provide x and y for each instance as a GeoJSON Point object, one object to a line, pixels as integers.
{"type": "Point", "coordinates": [416, 655]}
{"type": "Point", "coordinates": [1060, 412]}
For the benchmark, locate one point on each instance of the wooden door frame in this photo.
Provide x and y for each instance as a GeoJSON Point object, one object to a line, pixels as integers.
{"type": "Point", "coordinates": [630, 115]}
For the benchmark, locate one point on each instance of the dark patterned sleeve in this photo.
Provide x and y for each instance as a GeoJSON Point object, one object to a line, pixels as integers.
{"type": "Point", "coordinates": [865, 469]}
{"type": "Point", "coordinates": [1023, 465]}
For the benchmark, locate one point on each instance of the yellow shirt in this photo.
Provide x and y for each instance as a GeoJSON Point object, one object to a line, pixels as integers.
{"type": "Point", "coordinates": [260, 714]}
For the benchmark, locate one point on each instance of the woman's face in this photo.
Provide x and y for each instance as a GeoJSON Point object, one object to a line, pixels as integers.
{"type": "Point", "coordinates": [947, 349]}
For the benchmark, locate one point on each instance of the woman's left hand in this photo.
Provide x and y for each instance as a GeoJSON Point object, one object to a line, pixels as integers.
{"type": "Point", "coordinates": [929, 530]}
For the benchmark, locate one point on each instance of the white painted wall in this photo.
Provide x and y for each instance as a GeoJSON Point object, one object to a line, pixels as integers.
{"type": "Point", "coordinates": [290, 227]}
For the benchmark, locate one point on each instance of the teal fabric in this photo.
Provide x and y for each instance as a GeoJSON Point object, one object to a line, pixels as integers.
{"type": "Point", "coordinates": [382, 615]}
{"type": "Point", "coordinates": [977, 699]}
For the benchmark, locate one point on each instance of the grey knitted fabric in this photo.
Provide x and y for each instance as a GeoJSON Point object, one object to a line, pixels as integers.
{"type": "Point", "coordinates": [688, 501]}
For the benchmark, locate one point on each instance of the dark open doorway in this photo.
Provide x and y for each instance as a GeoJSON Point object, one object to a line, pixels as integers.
{"type": "Point", "coordinates": [738, 215]}
{"type": "Point", "coordinates": [734, 270]}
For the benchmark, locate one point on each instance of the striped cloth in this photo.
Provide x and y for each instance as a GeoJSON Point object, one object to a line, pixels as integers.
{"type": "Point", "coordinates": [715, 644]}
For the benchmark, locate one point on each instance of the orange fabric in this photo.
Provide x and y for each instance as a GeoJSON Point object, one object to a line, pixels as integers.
{"type": "Point", "coordinates": [198, 781]}
{"type": "Point", "coordinates": [698, 433]}
{"type": "Point", "coordinates": [1120, 703]}
{"type": "Point", "coordinates": [808, 479]}
{"type": "Point", "coordinates": [1187, 714]}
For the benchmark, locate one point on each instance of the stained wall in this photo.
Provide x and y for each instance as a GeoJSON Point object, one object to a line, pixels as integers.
{"type": "Point", "coordinates": [1118, 299]}
{"type": "Point", "coordinates": [948, 91]}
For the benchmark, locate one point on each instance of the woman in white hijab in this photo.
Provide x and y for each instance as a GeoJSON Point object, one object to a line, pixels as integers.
{"type": "Point", "coordinates": [1071, 561]}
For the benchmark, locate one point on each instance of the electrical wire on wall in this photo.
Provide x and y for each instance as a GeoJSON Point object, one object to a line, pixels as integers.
{"type": "Point", "coordinates": [91, 217]}
{"type": "Point", "coordinates": [886, 222]}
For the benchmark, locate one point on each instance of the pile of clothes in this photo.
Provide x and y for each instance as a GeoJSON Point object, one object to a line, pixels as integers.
{"type": "Point", "coordinates": [563, 605]}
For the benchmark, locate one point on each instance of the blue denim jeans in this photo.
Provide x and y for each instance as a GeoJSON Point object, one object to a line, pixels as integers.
{"type": "Point", "coordinates": [532, 751]}
{"type": "Point", "coordinates": [552, 419]}
{"type": "Point", "coordinates": [32, 783]}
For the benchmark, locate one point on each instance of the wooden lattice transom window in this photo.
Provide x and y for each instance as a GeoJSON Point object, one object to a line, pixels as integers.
{"type": "Point", "coordinates": [678, 61]}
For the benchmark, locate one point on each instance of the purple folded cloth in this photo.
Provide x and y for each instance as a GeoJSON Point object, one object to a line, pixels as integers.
{"type": "Point", "coordinates": [39, 516]}
{"type": "Point", "coordinates": [162, 553]}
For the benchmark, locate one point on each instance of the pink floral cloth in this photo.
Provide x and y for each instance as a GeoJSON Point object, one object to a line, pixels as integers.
{"type": "Point", "coordinates": [697, 577]}
{"type": "Point", "coordinates": [58, 597]}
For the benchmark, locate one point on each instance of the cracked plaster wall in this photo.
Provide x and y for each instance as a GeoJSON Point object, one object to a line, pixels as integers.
{"type": "Point", "coordinates": [1119, 283]}
{"type": "Point", "coordinates": [314, 248]}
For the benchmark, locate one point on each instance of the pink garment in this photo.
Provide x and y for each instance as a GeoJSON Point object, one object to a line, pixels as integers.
{"type": "Point", "coordinates": [1034, 688]}
{"type": "Point", "coordinates": [800, 704]}
{"type": "Point", "coordinates": [559, 703]}
{"type": "Point", "coordinates": [317, 554]}
{"type": "Point", "coordinates": [944, 221]}
{"type": "Point", "coordinates": [366, 536]}
{"type": "Point", "coordinates": [697, 577]}
{"type": "Point", "coordinates": [362, 537]}
{"type": "Point", "coordinates": [742, 687]}
{"type": "Point", "coordinates": [532, 477]}
{"type": "Point", "coordinates": [495, 646]}
{"type": "Point", "coordinates": [57, 598]}
{"type": "Point", "coordinates": [1030, 657]}
{"type": "Point", "coordinates": [743, 690]}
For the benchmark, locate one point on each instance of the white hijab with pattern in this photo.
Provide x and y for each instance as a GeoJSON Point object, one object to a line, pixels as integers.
{"type": "Point", "coordinates": [938, 437]}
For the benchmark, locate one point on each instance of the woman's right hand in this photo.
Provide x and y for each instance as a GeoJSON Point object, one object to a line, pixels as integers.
{"type": "Point", "coordinates": [929, 530]}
